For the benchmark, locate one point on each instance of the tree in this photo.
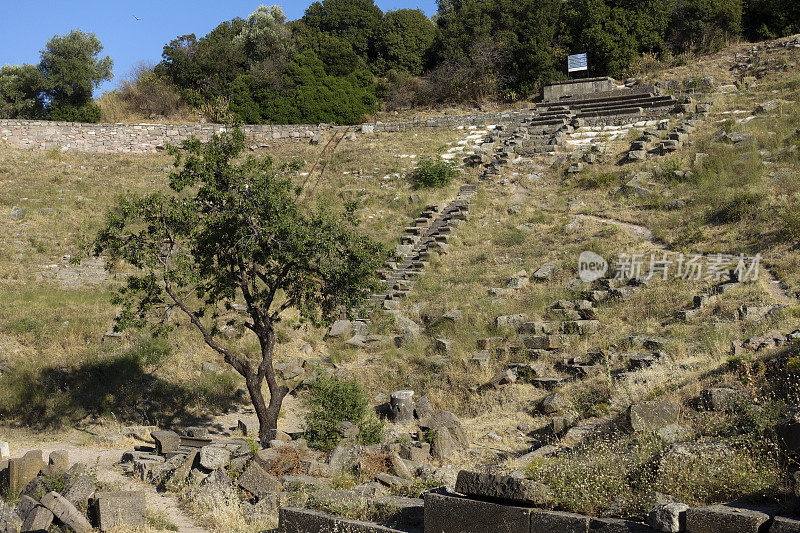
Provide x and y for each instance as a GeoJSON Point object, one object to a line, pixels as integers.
{"type": "Point", "coordinates": [230, 232]}
{"type": "Point", "coordinates": [72, 69]}
{"type": "Point", "coordinates": [768, 19]}
{"type": "Point", "coordinates": [403, 38]}
{"type": "Point", "coordinates": [355, 21]}
{"type": "Point", "coordinates": [705, 25]}
{"type": "Point", "coordinates": [21, 92]}
{"type": "Point", "coordinates": [265, 34]}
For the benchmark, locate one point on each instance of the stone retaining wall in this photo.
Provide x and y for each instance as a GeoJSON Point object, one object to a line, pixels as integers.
{"type": "Point", "coordinates": [114, 138]}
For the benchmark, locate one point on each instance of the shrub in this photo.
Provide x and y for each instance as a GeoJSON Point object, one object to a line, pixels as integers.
{"type": "Point", "coordinates": [790, 223]}
{"type": "Point", "coordinates": [432, 173]}
{"type": "Point", "coordinates": [742, 205]}
{"type": "Point", "coordinates": [335, 401]}
{"type": "Point", "coordinates": [66, 112]}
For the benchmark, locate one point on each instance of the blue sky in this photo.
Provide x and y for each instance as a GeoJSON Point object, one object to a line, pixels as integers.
{"type": "Point", "coordinates": [26, 26]}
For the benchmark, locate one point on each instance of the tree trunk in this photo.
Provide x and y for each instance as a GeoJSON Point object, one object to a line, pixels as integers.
{"type": "Point", "coordinates": [267, 414]}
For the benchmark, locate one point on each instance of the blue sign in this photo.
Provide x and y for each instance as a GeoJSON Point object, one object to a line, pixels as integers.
{"type": "Point", "coordinates": [577, 62]}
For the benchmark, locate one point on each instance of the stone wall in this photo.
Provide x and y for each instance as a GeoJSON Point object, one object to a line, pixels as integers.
{"type": "Point", "coordinates": [557, 91]}
{"type": "Point", "coordinates": [114, 138]}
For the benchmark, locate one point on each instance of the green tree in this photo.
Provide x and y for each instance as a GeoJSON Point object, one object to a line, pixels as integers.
{"type": "Point", "coordinates": [265, 35]}
{"type": "Point", "coordinates": [403, 39]}
{"type": "Point", "coordinates": [21, 92]}
{"type": "Point", "coordinates": [705, 25]}
{"type": "Point", "coordinates": [233, 231]}
{"type": "Point", "coordinates": [768, 19]}
{"type": "Point", "coordinates": [355, 21]}
{"type": "Point", "coordinates": [72, 68]}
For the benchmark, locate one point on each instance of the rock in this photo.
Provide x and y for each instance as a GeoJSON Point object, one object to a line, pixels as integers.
{"type": "Point", "coordinates": [501, 380]}
{"type": "Point", "coordinates": [721, 399]}
{"type": "Point", "coordinates": [446, 420]}
{"type": "Point", "coordinates": [482, 359]}
{"type": "Point", "coordinates": [66, 513]}
{"type": "Point", "coordinates": [78, 490]}
{"type": "Point", "coordinates": [753, 313]}
{"type": "Point", "coordinates": [339, 329]}
{"type": "Point", "coordinates": [214, 457]}
{"type": "Point", "coordinates": [545, 272]}
{"type": "Point", "coordinates": [22, 470]}
{"type": "Point", "coordinates": [166, 441]}
{"type": "Point", "coordinates": [38, 518]}
{"type": "Point", "coordinates": [444, 444]}
{"type": "Point", "coordinates": [345, 456]}
{"type": "Point", "coordinates": [120, 509]}
{"type": "Point", "coordinates": [517, 282]}
{"type": "Point", "coordinates": [422, 407]}
{"type": "Point", "coordinates": [399, 466]}
{"type": "Point", "coordinates": [450, 513]}
{"type": "Point", "coordinates": [509, 321]}
{"type": "Point", "coordinates": [390, 480]}
{"type": "Point", "coordinates": [453, 315]}
{"type": "Point", "coordinates": [724, 519]}
{"type": "Point", "coordinates": [553, 403]}
{"type": "Point", "coordinates": [788, 431]}
{"type": "Point", "coordinates": [4, 450]}
{"type": "Point", "coordinates": [258, 481]}
{"type": "Point", "coordinates": [674, 433]}
{"type": "Point", "coordinates": [768, 107]}
{"type": "Point", "coordinates": [17, 213]}
{"type": "Point", "coordinates": [503, 488]}
{"type": "Point", "coordinates": [668, 517]}
{"type": "Point", "coordinates": [304, 483]}
{"type": "Point", "coordinates": [401, 406]}
{"type": "Point", "coordinates": [347, 429]}
{"type": "Point", "coordinates": [10, 522]}
{"type": "Point", "coordinates": [58, 461]}
{"type": "Point", "coordinates": [316, 139]}
{"type": "Point", "coordinates": [650, 416]}
{"type": "Point", "coordinates": [443, 345]}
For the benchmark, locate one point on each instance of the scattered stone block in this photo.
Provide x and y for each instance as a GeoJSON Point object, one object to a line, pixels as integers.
{"type": "Point", "coordinates": [504, 488]}
{"type": "Point", "coordinates": [545, 272]}
{"type": "Point", "coordinates": [339, 329]}
{"type": "Point", "coordinates": [401, 406]}
{"type": "Point", "coordinates": [724, 519]}
{"type": "Point", "coordinates": [58, 461]}
{"type": "Point", "coordinates": [721, 399]}
{"type": "Point", "coordinates": [214, 457]}
{"type": "Point", "coordinates": [553, 403]}
{"type": "Point", "coordinates": [391, 481]}
{"type": "Point", "coordinates": [66, 513]}
{"type": "Point", "coordinates": [22, 470]}
{"type": "Point", "coordinates": [120, 509]}
{"type": "Point", "coordinates": [449, 513]}
{"type": "Point", "coordinates": [544, 521]}
{"type": "Point", "coordinates": [501, 380]}
{"type": "Point", "coordinates": [653, 415]}
{"type": "Point", "coordinates": [668, 517]}
{"type": "Point", "coordinates": [509, 321]}
{"type": "Point", "coordinates": [258, 481]}
{"type": "Point", "coordinates": [166, 441]}
{"type": "Point", "coordinates": [38, 518]}
{"type": "Point", "coordinates": [443, 345]}
{"type": "Point", "coordinates": [784, 524]}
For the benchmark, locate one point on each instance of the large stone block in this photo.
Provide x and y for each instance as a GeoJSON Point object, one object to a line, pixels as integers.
{"type": "Point", "coordinates": [166, 441]}
{"type": "Point", "coordinates": [293, 520]}
{"type": "Point", "coordinates": [506, 488]}
{"type": "Point", "coordinates": [448, 513]}
{"type": "Point", "coordinates": [544, 521]}
{"type": "Point", "coordinates": [258, 481]}
{"type": "Point", "coordinates": [122, 508]}
{"type": "Point", "coordinates": [37, 519]}
{"type": "Point", "coordinates": [651, 416]}
{"type": "Point", "coordinates": [785, 524]}
{"type": "Point", "coordinates": [22, 470]}
{"type": "Point", "coordinates": [615, 525]}
{"type": "Point", "coordinates": [724, 519]}
{"type": "Point", "coordinates": [66, 513]}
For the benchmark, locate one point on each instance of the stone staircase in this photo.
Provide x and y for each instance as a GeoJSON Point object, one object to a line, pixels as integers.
{"type": "Point", "coordinates": [429, 234]}
{"type": "Point", "coordinates": [635, 102]}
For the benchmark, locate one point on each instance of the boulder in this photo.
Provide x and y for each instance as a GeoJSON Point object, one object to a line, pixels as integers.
{"type": "Point", "coordinates": [339, 329]}
{"type": "Point", "coordinates": [501, 380]}
{"type": "Point", "coordinates": [37, 518]}
{"type": "Point", "coordinates": [721, 399]}
{"type": "Point", "coordinates": [553, 403]}
{"type": "Point", "coordinates": [78, 490]}
{"type": "Point", "coordinates": [258, 481]}
{"type": "Point", "coordinates": [66, 513]}
{"type": "Point", "coordinates": [509, 321]}
{"type": "Point", "coordinates": [653, 415]}
{"type": "Point", "coordinates": [10, 522]}
{"type": "Point", "coordinates": [126, 509]}
{"type": "Point", "coordinates": [58, 461]}
{"type": "Point", "coordinates": [450, 513]}
{"type": "Point", "coordinates": [214, 457]}
{"type": "Point", "coordinates": [668, 517]}
{"type": "Point", "coordinates": [166, 441]}
{"type": "Point", "coordinates": [545, 272]}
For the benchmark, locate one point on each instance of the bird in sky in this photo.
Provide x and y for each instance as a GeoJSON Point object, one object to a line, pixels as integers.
{"type": "Point", "coordinates": [136, 18]}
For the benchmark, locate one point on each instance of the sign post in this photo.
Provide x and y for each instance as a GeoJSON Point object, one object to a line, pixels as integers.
{"type": "Point", "coordinates": [577, 63]}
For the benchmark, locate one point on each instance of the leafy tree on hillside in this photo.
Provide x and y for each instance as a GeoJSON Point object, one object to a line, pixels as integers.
{"type": "Point", "coordinates": [403, 38]}
{"type": "Point", "coordinates": [233, 231]}
{"type": "Point", "coordinates": [21, 93]}
{"type": "Point", "coordinates": [355, 21]}
{"type": "Point", "coordinates": [265, 35]}
{"type": "Point", "coordinates": [705, 25]}
{"type": "Point", "coordinates": [337, 55]}
{"type": "Point", "coordinates": [72, 68]}
{"type": "Point", "coordinates": [769, 19]}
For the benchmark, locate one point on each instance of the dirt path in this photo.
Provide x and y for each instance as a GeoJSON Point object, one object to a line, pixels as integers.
{"type": "Point", "coordinates": [772, 285]}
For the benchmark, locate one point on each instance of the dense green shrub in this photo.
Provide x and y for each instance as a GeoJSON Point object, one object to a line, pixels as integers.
{"type": "Point", "coordinates": [21, 93]}
{"type": "Point", "coordinates": [334, 401]}
{"type": "Point", "coordinates": [432, 173]}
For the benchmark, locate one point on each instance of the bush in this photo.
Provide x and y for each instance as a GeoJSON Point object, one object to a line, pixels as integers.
{"type": "Point", "coordinates": [742, 205]}
{"type": "Point", "coordinates": [145, 94]}
{"type": "Point", "coordinates": [66, 112]}
{"type": "Point", "coordinates": [790, 223]}
{"type": "Point", "coordinates": [432, 173]}
{"type": "Point", "coordinates": [335, 401]}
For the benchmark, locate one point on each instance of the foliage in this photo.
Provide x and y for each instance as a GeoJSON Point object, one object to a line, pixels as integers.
{"type": "Point", "coordinates": [768, 19]}
{"type": "Point", "coordinates": [233, 229]}
{"type": "Point", "coordinates": [432, 173]}
{"type": "Point", "coordinates": [403, 39]}
{"type": "Point", "coordinates": [21, 92]}
{"type": "Point", "coordinates": [334, 401]}
{"type": "Point", "coordinates": [355, 21]}
{"type": "Point", "coordinates": [705, 25]}
{"type": "Point", "coordinates": [72, 69]}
